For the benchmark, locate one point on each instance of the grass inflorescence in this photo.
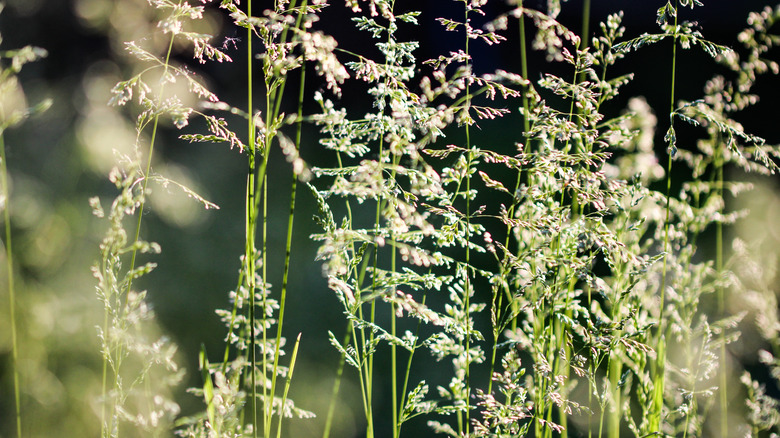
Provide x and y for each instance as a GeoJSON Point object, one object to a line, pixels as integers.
{"type": "Point", "coordinates": [589, 277]}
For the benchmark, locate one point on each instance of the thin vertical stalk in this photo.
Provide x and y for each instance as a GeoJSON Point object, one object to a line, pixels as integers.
{"type": "Point", "coordinates": [659, 365]}
{"type": "Point", "coordinates": [723, 378]}
{"type": "Point", "coordinates": [368, 367]}
{"type": "Point", "coordinates": [393, 357]}
{"type": "Point", "coordinates": [268, 393]}
{"type": "Point", "coordinates": [615, 367]}
{"type": "Point", "coordinates": [105, 428]}
{"type": "Point", "coordinates": [149, 161]}
{"type": "Point", "coordinates": [586, 24]}
{"type": "Point", "coordinates": [9, 259]}
{"type": "Point", "coordinates": [393, 347]}
{"type": "Point", "coordinates": [349, 336]}
{"type": "Point", "coordinates": [409, 368]}
{"type": "Point", "coordinates": [251, 218]}
{"type": "Point", "coordinates": [561, 365]}
{"type": "Point", "coordinates": [510, 213]}
{"type": "Point", "coordinates": [524, 72]}
{"type": "Point", "coordinates": [250, 264]}
{"type": "Point", "coordinates": [288, 243]}
{"type": "Point", "coordinates": [367, 371]}
{"type": "Point", "coordinates": [393, 353]}
{"type": "Point", "coordinates": [287, 382]}
{"type": "Point", "coordinates": [467, 288]}
{"type": "Point", "coordinates": [290, 220]}
{"type": "Point", "coordinates": [364, 378]}
{"type": "Point", "coordinates": [335, 391]}
{"type": "Point", "coordinates": [668, 181]}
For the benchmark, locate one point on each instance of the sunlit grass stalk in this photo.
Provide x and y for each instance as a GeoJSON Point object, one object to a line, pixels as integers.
{"type": "Point", "coordinates": [9, 259]}
{"type": "Point", "coordinates": [723, 398]}
{"type": "Point", "coordinates": [393, 359]}
{"type": "Point", "coordinates": [287, 382]}
{"type": "Point", "coordinates": [268, 393]}
{"type": "Point", "coordinates": [335, 390]}
{"type": "Point", "coordinates": [106, 428]}
{"type": "Point", "coordinates": [251, 223]}
{"type": "Point", "coordinates": [367, 380]}
{"type": "Point", "coordinates": [257, 183]}
{"type": "Point", "coordinates": [540, 384]}
{"type": "Point", "coordinates": [408, 371]}
{"type": "Point", "coordinates": [614, 362]}
{"type": "Point", "coordinates": [366, 372]}
{"type": "Point", "coordinates": [667, 210]}
{"type": "Point", "coordinates": [393, 352]}
{"type": "Point", "coordinates": [148, 170]}
{"type": "Point", "coordinates": [368, 362]}
{"type": "Point", "coordinates": [538, 401]}
{"type": "Point", "coordinates": [659, 365]}
{"type": "Point", "coordinates": [526, 128]}
{"type": "Point", "coordinates": [585, 31]}
{"type": "Point", "coordinates": [562, 366]}
{"type": "Point", "coordinates": [348, 336]}
{"type": "Point", "coordinates": [555, 331]}
{"type": "Point", "coordinates": [467, 286]}
{"type": "Point", "coordinates": [277, 99]}
{"type": "Point", "coordinates": [692, 365]}
{"type": "Point", "coordinates": [356, 338]}
{"type": "Point", "coordinates": [288, 243]}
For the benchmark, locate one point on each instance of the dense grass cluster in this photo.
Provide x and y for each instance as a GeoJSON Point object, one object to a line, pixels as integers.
{"type": "Point", "coordinates": [555, 272]}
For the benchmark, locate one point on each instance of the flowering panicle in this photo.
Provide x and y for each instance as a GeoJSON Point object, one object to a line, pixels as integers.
{"type": "Point", "coordinates": [544, 261]}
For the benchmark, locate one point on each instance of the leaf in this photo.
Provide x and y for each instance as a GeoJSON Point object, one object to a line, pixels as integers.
{"type": "Point", "coordinates": [208, 385]}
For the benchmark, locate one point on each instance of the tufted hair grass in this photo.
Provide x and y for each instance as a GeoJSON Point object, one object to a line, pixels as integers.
{"type": "Point", "coordinates": [554, 273]}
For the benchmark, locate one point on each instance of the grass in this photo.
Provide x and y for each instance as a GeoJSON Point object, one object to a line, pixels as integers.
{"type": "Point", "coordinates": [13, 111]}
{"type": "Point", "coordinates": [554, 280]}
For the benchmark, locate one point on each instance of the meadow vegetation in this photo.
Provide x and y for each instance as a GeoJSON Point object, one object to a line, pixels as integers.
{"type": "Point", "coordinates": [513, 253]}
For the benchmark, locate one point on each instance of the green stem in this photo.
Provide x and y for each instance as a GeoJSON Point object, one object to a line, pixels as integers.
{"type": "Point", "coordinates": [586, 25]}
{"type": "Point", "coordinates": [659, 365]}
{"type": "Point", "coordinates": [287, 382]}
{"type": "Point", "coordinates": [408, 372]}
{"type": "Point", "coordinates": [615, 370]}
{"type": "Point", "coordinates": [393, 357]}
{"type": "Point", "coordinates": [510, 213]}
{"type": "Point", "coordinates": [723, 377]}
{"type": "Point", "coordinates": [364, 377]}
{"type": "Point", "coordinates": [290, 220]}
{"type": "Point", "coordinates": [149, 161]}
{"type": "Point", "coordinates": [467, 289]}
{"type": "Point", "coordinates": [524, 72]}
{"type": "Point", "coordinates": [105, 427]}
{"type": "Point", "coordinates": [251, 223]}
{"type": "Point", "coordinates": [668, 184]}
{"type": "Point", "coordinates": [336, 385]}
{"type": "Point", "coordinates": [614, 362]}
{"type": "Point", "coordinates": [268, 393]}
{"type": "Point", "coordinates": [9, 258]}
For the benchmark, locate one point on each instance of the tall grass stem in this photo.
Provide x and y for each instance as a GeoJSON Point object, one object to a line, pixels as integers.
{"type": "Point", "coordinates": [9, 259]}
